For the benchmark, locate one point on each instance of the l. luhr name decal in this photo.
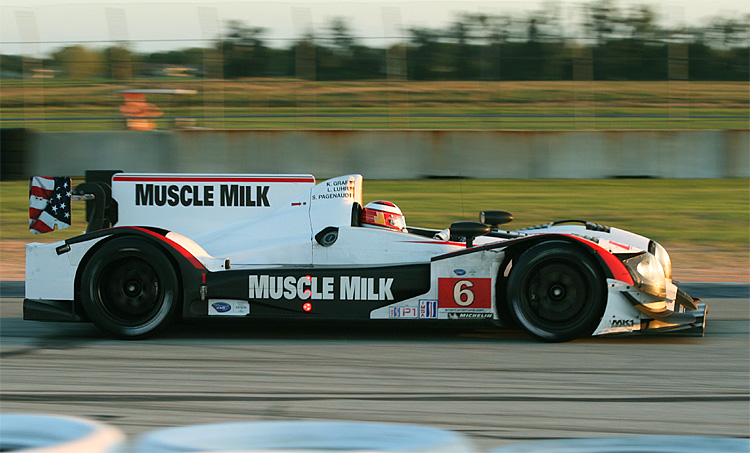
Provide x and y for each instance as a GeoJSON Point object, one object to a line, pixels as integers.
{"type": "Point", "coordinates": [336, 189]}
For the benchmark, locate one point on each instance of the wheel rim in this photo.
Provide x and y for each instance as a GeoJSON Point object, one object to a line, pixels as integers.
{"type": "Point", "coordinates": [129, 291]}
{"type": "Point", "coordinates": [556, 296]}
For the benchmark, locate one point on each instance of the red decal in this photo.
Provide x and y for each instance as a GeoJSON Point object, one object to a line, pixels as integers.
{"type": "Point", "coordinates": [189, 256]}
{"type": "Point", "coordinates": [619, 271]}
{"type": "Point", "coordinates": [461, 244]}
{"type": "Point", "coordinates": [622, 246]}
{"type": "Point", "coordinates": [465, 292]}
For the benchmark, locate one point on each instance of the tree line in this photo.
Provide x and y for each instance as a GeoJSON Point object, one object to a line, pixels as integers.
{"type": "Point", "coordinates": [610, 44]}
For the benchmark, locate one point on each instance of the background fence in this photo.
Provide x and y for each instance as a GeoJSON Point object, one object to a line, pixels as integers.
{"type": "Point", "coordinates": [497, 65]}
{"type": "Point", "coordinates": [61, 105]}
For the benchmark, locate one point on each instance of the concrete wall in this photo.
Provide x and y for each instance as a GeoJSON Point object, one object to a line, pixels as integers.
{"type": "Point", "coordinates": [399, 154]}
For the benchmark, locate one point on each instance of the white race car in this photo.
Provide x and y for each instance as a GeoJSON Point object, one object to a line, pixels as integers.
{"type": "Point", "coordinates": [192, 246]}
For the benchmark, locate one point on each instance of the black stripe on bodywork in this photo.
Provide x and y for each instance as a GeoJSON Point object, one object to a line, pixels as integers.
{"type": "Point", "coordinates": [113, 232]}
{"type": "Point", "coordinates": [479, 248]}
{"type": "Point", "coordinates": [399, 282]}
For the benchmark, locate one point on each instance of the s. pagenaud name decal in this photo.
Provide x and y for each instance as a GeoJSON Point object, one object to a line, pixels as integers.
{"type": "Point", "coordinates": [320, 288]}
{"type": "Point", "coordinates": [228, 195]}
{"type": "Point", "coordinates": [336, 189]}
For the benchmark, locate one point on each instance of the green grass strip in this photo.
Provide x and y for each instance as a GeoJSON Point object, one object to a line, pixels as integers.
{"type": "Point", "coordinates": [679, 212]}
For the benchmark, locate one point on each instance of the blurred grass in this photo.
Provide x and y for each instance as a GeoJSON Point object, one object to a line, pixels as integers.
{"type": "Point", "coordinates": [294, 92]}
{"type": "Point", "coordinates": [397, 104]}
{"type": "Point", "coordinates": [675, 212]}
{"type": "Point", "coordinates": [455, 118]}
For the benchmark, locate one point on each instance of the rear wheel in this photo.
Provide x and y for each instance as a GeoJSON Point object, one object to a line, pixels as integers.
{"type": "Point", "coordinates": [129, 288]}
{"type": "Point", "coordinates": [556, 292]}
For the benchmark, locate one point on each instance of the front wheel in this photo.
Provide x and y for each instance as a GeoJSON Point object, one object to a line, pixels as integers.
{"type": "Point", "coordinates": [129, 289]}
{"type": "Point", "coordinates": [556, 292]}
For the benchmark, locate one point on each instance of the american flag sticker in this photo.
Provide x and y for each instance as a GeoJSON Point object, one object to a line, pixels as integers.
{"type": "Point", "coordinates": [428, 308]}
{"type": "Point", "coordinates": [49, 203]}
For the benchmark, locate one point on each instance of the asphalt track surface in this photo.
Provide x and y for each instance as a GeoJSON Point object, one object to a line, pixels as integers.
{"type": "Point", "coordinates": [496, 386]}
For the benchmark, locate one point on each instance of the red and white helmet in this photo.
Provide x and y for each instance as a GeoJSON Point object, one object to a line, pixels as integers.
{"type": "Point", "coordinates": [383, 214]}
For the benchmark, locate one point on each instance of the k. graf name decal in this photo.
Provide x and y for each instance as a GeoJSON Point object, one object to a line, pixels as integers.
{"type": "Point", "coordinates": [336, 189]}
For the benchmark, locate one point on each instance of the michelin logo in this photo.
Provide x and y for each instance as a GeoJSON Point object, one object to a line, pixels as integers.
{"type": "Point", "coordinates": [466, 315]}
{"type": "Point", "coordinates": [319, 288]}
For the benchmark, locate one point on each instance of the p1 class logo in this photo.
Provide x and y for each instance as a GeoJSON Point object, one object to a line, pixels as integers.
{"type": "Point", "coordinates": [221, 307]}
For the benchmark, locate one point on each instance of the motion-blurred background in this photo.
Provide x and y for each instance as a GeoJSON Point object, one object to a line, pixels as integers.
{"type": "Point", "coordinates": [496, 65]}
{"type": "Point", "coordinates": [631, 113]}
{"type": "Point", "coordinates": [521, 94]}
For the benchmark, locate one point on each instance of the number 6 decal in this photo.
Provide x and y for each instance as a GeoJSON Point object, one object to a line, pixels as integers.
{"type": "Point", "coordinates": [465, 293]}
{"type": "Point", "coordinates": [463, 296]}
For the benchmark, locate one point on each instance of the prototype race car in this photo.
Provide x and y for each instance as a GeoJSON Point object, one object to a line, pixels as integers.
{"type": "Point", "coordinates": [161, 247]}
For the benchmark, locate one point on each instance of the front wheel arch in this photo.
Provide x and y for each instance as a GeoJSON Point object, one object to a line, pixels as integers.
{"type": "Point", "coordinates": [556, 291]}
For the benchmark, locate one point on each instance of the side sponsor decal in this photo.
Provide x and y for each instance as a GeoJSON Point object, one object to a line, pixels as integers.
{"type": "Point", "coordinates": [234, 195]}
{"type": "Point", "coordinates": [228, 307]}
{"type": "Point", "coordinates": [424, 309]}
{"type": "Point", "coordinates": [320, 288]}
{"type": "Point", "coordinates": [221, 307]}
{"type": "Point", "coordinates": [404, 312]}
{"type": "Point", "coordinates": [347, 292]}
{"type": "Point", "coordinates": [473, 315]}
{"type": "Point", "coordinates": [428, 309]}
{"type": "Point", "coordinates": [195, 204]}
{"type": "Point", "coordinates": [465, 292]}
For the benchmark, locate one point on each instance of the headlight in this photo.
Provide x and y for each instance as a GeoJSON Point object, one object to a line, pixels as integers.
{"type": "Point", "coordinates": [661, 254]}
{"type": "Point", "coordinates": [648, 274]}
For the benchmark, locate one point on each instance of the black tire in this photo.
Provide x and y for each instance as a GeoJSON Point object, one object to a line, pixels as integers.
{"type": "Point", "coordinates": [556, 292]}
{"type": "Point", "coordinates": [129, 289]}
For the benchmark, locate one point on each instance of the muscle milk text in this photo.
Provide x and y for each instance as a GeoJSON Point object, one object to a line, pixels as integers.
{"type": "Point", "coordinates": [195, 195]}
{"type": "Point", "coordinates": [320, 288]}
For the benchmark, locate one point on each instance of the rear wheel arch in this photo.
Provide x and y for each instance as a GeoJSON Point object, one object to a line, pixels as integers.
{"type": "Point", "coordinates": [151, 263]}
{"type": "Point", "coordinates": [87, 257]}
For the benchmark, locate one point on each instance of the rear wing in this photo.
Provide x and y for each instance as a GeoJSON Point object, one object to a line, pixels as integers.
{"type": "Point", "coordinates": [101, 208]}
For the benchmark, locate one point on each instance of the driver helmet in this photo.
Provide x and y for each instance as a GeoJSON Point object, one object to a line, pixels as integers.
{"type": "Point", "coordinates": [383, 214]}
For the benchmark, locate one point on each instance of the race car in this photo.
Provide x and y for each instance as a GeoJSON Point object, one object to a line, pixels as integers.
{"type": "Point", "coordinates": [165, 247]}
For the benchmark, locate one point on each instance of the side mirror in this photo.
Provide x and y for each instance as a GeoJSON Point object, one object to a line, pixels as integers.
{"type": "Point", "coordinates": [469, 230]}
{"type": "Point", "coordinates": [495, 218]}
